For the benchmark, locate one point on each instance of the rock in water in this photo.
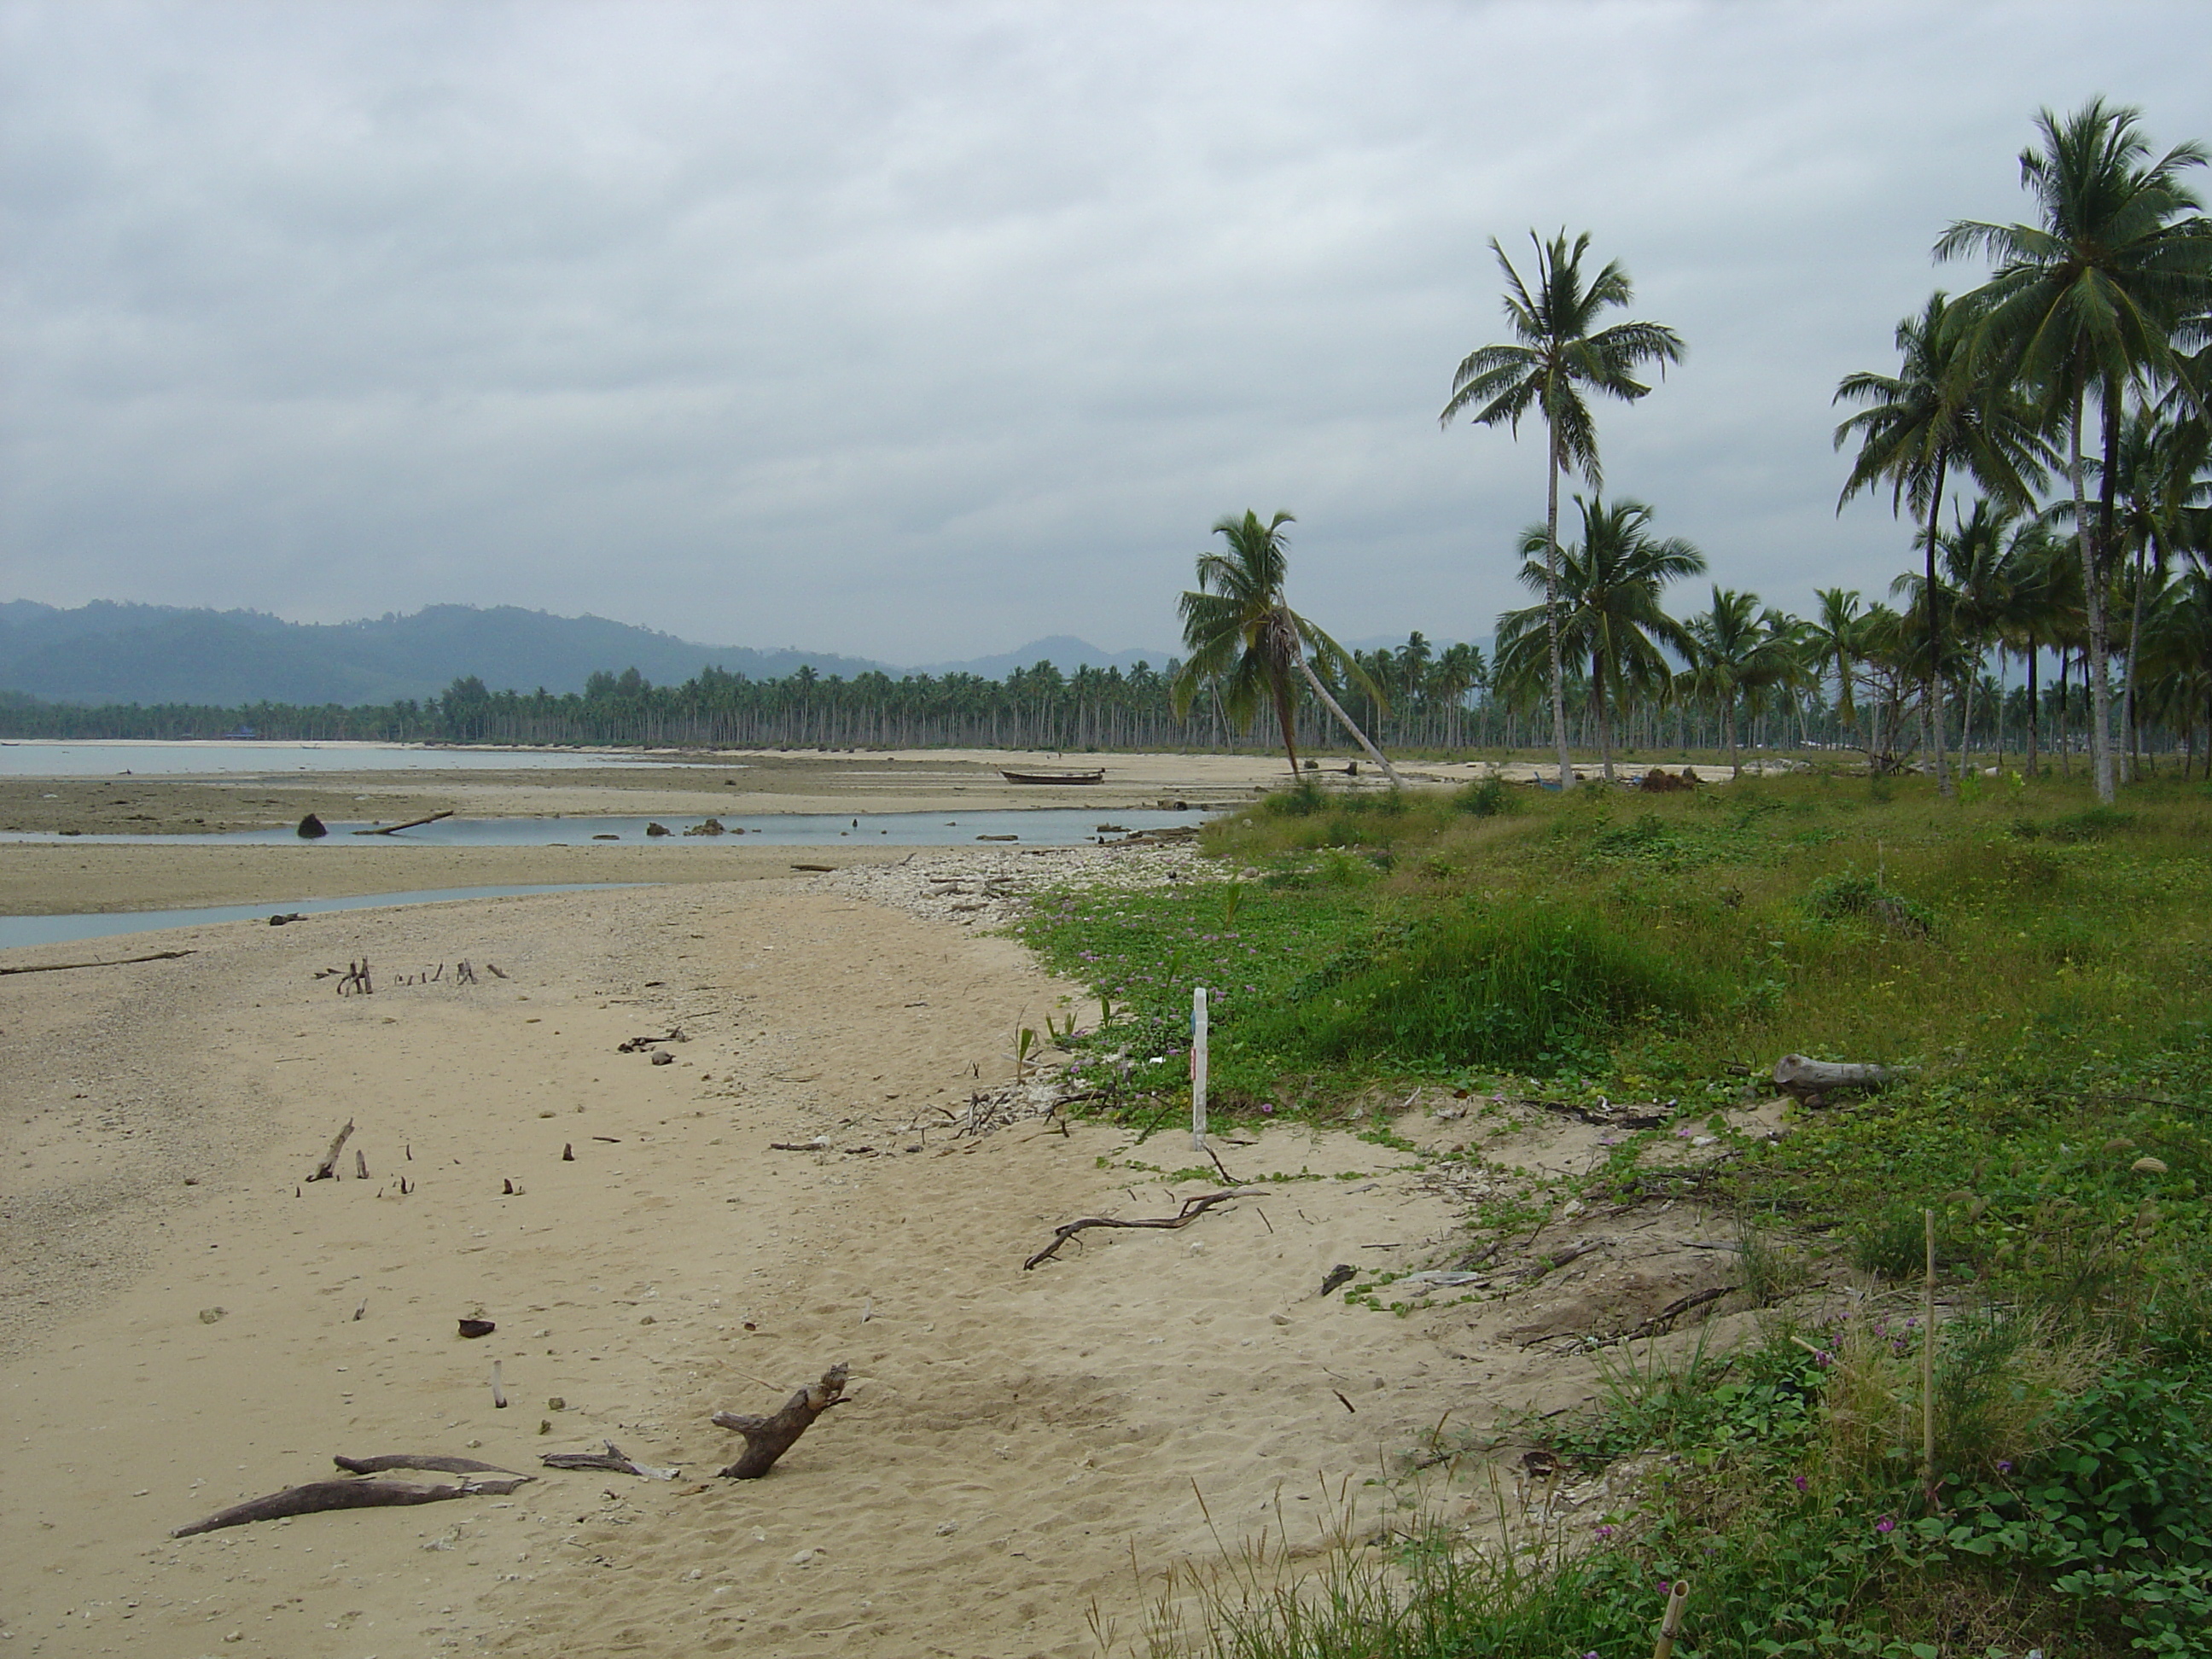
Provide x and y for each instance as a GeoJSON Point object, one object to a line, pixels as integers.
{"type": "Point", "coordinates": [656, 829]}
{"type": "Point", "coordinates": [311, 827]}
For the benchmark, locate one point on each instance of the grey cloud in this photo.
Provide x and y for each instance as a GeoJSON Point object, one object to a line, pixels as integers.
{"type": "Point", "coordinates": [909, 331]}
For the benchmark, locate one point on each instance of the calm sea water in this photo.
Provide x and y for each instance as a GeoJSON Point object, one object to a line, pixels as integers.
{"type": "Point", "coordinates": [36, 759]}
{"type": "Point", "coordinates": [1044, 826]}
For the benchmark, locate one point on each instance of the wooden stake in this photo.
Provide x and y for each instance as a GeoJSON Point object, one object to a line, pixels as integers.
{"type": "Point", "coordinates": [498, 1393]}
{"type": "Point", "coordinates": [1198, 1068]}
{"type": "Point", "coordinates": [1677, 1597]}
{"type": "Point", "coordinates": [361, 1164]}
{"type": "Point", "coordinates": [1928, 1362]}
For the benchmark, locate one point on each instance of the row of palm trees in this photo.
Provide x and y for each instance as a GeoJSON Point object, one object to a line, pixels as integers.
{"type": "Point", "coordinates": [2099, 310]}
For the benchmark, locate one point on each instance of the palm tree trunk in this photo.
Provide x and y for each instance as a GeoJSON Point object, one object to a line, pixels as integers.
{"type": "Point", "coordinates": [1552, 602]}
{"type": "Point", "coordinates": [1604, 719]}
{"type": "Point", "coordinates": [1932, 695]}
{"type": "Point", "coordinates": [1358, 736]}
{"type": "Point", "coordinates": [2092, 601]}
{"type": "Point", "coordinates": [2035, 720]}
{"type": "Point", "coordinates": [1967, 725]}
{"type": "Point", "coordinates": [2127, 695]}
{"type": "Point", "coordinates": [1286, 717]}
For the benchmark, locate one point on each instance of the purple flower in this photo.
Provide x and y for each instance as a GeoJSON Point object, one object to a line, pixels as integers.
{"type": "Point", "coordinates": [1799, 1481]}
{"type": "Point", "coordinates": [2005, 1466]}
{"type": "Point", "coordinates": [1885, 1525]}
{"type": "Point", "coordinates": [1605, 1532]}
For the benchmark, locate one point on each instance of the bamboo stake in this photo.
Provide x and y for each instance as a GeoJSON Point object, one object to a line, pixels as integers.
{"type": "Point", "coordinates": [1677, 1597]}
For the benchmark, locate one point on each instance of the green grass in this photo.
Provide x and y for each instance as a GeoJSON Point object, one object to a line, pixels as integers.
{"type": "Point", "coordinates": [2038, 968]}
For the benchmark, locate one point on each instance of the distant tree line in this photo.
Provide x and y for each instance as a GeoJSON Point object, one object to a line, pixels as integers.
{"type": "Point", "coordinates": [1780, 686]}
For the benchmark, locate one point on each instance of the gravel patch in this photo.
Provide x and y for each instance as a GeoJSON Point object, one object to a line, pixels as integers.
{"type": "Point", "coordinates": [991, 887]}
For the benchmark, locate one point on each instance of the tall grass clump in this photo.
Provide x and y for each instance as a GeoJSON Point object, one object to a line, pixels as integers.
{"type": "Point", "coordinates": [1501, 985]}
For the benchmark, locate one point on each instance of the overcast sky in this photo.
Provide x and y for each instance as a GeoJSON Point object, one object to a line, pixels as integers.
{"type": "Point", "coordinates": [918, 330]}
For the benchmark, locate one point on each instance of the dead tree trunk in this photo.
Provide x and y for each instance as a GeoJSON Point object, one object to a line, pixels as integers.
{"type": "Point", "coordinates": [1810, 1081]}
{"type": "Point", "coordinates": [768, 1438]}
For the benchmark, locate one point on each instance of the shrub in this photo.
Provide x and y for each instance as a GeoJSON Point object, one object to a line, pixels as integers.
{"type": "Point", "coordinates": [1500, 986]}
{"type": "Point", "coordinates": [1492, 797]}
{"type": "Point", "coordinates": [1852, 894]}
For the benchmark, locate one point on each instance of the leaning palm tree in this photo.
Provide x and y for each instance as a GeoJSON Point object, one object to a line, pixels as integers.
{"type": "Point", "coordinates": [1557, 354]}
{"type": "Point", "coordinates": [1244, 638]}
{"type": "Point", "coordinates": [2106, 293]}
{"type": "Point", "coordinates": [1935, 415]}
{"type": "Point", "coordinates": [1607, 613]}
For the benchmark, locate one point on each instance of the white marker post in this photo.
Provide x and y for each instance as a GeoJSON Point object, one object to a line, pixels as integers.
{"type": "Point", "coordinates": [1198, 1068]}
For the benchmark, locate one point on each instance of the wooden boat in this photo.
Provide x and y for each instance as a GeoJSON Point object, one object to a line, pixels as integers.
{"type": "Point", "coordinates": [1098, 776]}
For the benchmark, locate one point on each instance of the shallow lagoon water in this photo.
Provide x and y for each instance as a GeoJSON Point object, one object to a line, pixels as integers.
{"type": "Point", "coordinates": [1041, 827]}
{"type": "Point", "coordinates": [16, 932]}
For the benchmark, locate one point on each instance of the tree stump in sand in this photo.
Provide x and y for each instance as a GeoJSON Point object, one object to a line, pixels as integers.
{"type": "Point", "coordinates": [768, 1438]}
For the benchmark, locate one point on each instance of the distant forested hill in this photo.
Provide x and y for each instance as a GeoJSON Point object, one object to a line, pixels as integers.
{"type": "Point", "coordinates": [141, 653]}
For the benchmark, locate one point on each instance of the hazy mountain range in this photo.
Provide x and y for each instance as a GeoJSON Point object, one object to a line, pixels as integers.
{"type": "Point", "coordinates": [146, 654]}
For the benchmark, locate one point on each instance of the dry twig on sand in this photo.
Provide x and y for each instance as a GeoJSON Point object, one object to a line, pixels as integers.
{"type": "Point", "coordinates": [1192, 1209]}
{"type": "Point", "coordinates": [614, 1460]}
{"type": "Point", "coordinates": [768, 1438]}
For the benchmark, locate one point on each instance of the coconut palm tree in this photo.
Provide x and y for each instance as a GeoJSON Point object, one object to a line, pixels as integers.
{"type": "Point", "coordinates": [1937, 414]}
{"type": "Point", "coordinates": [1738, 653]}
{"type": "Point", "coordinates": [2039, 612]}
{"type": "Point", "coordinates": [2176, 648]}
{"type": "Point", "coordinates": [1243, 635]}
{"type": "Point", "coordinates": [1838, 640]}
{"type": "Point", "coordinates": [2159, 480]}
{"type": "Point", "coordinates": [2106, 293]}
{"type": "Point", "coordinates": [1607, 606]}
{"type": "Point", "coordinates": [1557, 354]}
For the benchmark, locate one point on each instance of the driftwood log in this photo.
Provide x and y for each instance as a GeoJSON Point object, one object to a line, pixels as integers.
{"type": "Point", "coordinates": [437, 1463]}
{"type": "Point", "coordinates": [412, 823]}
{"type": "Point", "coordinates": [1811, 1081]}
{"type": "Point", "coordinates": [317, 1496]}
{"type": "Point", "coordinates": [328, 1168]}
{"type": "Point", "coordinates": [768, 1438]}
{"type": "Point", "coordinates": [614, 1460]}
{"type": "Point", "coordinates": [1192, 1209]}
{"type": "Point", "coordinates": [116, 962]}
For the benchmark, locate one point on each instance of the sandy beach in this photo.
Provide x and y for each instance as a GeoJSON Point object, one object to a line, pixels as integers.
{"type": "Point", "coordinates": [186, 1323]}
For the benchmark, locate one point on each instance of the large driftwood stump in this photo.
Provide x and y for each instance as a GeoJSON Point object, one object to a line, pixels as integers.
{"type": "Point", "coordinates": [768, 1438]}
{"type": "Point", "coordinates": [1811, 1081]}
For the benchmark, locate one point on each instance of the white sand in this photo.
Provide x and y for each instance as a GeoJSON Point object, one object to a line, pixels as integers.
{"type": "Point", "coordinates": [1015, 1440]}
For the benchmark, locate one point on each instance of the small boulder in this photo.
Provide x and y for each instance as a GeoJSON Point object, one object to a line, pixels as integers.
{"type": "Point", "coordinates": [313, 828]}
{"type": "Point", "coordinates": [656, 829]}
